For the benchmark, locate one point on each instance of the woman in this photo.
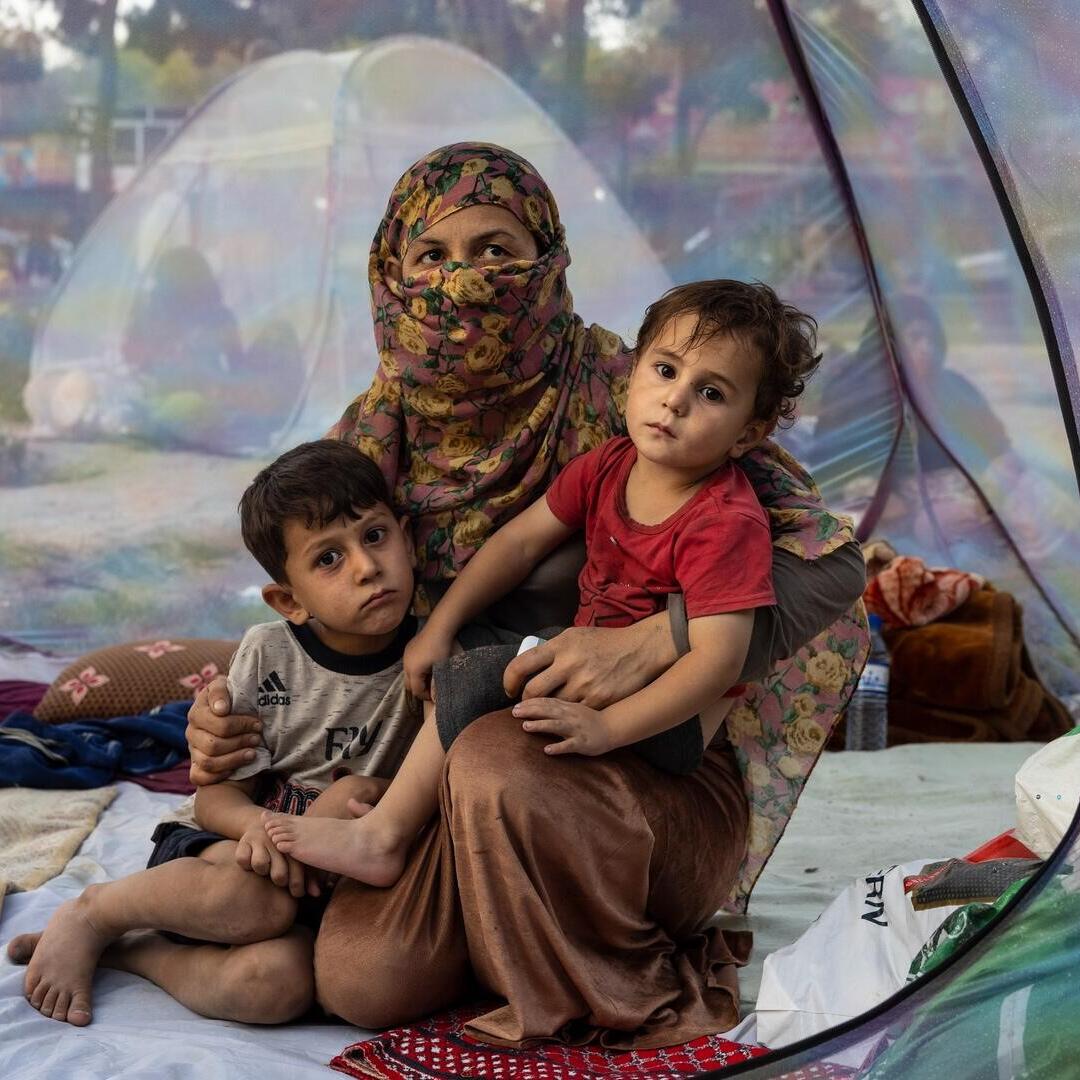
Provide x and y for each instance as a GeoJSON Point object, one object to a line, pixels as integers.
{"type": "Point", "coordinates": [577, 892]}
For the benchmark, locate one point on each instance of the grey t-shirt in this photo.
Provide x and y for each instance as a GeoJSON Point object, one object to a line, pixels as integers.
{"type": "Point", "coordinates": [321, 711]}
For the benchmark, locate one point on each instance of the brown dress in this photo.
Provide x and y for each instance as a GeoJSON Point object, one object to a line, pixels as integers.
{"type": "Point", "coordinates": [583, 930]}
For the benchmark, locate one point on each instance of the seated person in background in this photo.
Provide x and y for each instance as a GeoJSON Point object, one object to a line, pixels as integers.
{"type": "Point", "coordinates": [328, 687]}
{"type": "Point", "coordinates": [182, 346]}
{"type": "Point", "coordinates": [664, 510]}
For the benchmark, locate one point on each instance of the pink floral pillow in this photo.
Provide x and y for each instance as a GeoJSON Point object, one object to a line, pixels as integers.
{"type": "Point", "coordinates": [123, 680]}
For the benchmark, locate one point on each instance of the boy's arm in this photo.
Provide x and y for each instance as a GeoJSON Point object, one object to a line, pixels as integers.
{"type": "Point", "coordinates": [718, 645]}
{"type": "Point", "coordinates": [503, 562]}
{"type": "Point", "coordinates": [228, 808]}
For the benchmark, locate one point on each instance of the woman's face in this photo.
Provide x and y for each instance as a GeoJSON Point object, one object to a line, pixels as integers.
{"type": "Point", "coordinates": [478, 235]}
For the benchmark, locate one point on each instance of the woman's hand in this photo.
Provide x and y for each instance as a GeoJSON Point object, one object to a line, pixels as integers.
{"type": "Point", "coordinates": [581, 730]}
{"type": "Point", "coordinates": [421, 655]}
{"type": "Point", "coordinates": [595, 666]}
{"type": "Point", "coordinates": [218, 741]}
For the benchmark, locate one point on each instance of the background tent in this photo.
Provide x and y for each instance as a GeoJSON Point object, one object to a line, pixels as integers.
{"type": "Point", "coordinates": [904, 170]}
{"type": "Point", "coordinates": [220, 307]}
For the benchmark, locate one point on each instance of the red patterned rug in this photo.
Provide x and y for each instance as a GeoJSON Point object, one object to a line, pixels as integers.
{"type": "Point", "coordinates": [438, 1047]}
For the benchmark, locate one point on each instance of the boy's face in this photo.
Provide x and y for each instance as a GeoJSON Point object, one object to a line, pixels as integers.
{"type": "Point", "coordinates": [690, 409]}
{"type": "Point", "coordinates": [354, 578]}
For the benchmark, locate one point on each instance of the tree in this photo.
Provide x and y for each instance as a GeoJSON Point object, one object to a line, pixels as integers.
{"type": "Point", "coordinates": [90, 26]}
{"type": "Point", "coordinates": [722, 51]}
{"type": "Point", "coordinates": [623, 88]}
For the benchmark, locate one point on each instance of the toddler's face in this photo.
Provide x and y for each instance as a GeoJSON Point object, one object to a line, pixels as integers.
{"type": "Point", "coordinates": [355, 577]}
{"type": "Point", "coordinates": [691, 408]}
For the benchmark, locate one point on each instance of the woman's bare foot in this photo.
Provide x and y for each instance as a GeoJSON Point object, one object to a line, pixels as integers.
{"type": "Point", "coordinates": [356, 849]}
{"type": "Point", "coordinates": [60, 963]}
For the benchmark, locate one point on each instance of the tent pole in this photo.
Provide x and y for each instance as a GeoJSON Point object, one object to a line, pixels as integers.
{"type": "Point", "coordinates": [1043, 293]}
{"type": "Point", "coordinates": [834, 159]}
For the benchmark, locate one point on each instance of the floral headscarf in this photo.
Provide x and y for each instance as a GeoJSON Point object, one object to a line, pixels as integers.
{"type": "Point", "coordinates": [487, 381]}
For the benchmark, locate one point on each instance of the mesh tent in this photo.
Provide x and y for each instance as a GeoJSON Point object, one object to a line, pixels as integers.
{"type": "Point", "coordinates": [218, 313]}
{"type": "Point", "coordinates": [904, 171]}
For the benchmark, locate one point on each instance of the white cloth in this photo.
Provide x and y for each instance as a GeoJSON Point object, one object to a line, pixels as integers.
{"type": "Point", "coordinates": [1047, 793]}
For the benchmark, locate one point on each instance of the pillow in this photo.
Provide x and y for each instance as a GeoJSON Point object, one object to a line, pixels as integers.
{"type": "Point", "coordinates": [124, 680]}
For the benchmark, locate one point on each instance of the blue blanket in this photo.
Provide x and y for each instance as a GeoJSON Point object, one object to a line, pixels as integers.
{"type": "Point", "coordinates": [89, 753]}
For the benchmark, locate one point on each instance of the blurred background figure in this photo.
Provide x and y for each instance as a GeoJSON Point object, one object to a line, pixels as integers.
{"type": "Point", "coordinates": [181, 344]}
{"type": "Point", "coordinates": [196, 386]}
{"type": "Point", "coordinates": [43, 265]}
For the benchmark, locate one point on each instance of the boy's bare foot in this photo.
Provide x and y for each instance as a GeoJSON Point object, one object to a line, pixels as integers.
{"type": "Point", "coordinates": [353, 848]}
{"type": "Point", "coordinates": [21, 947]}
{"type": "Point", "coordinates": [60, 963]}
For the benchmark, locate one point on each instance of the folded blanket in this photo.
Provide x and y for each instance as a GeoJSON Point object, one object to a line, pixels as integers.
{"type": "Point", "coordinates": [907, 592]}
{"type": "Point", "coordinates": [41, 830]}
{"type": "Point", "coordinates": [20, 695]}
{"type": "Point", "coordinates": [89, 753]}
{"type": "Point", "coordinates": [968, 676]}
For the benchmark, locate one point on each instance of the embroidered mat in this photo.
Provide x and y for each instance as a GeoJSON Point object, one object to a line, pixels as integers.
{"type": "Point", "coordinates": [438, 1047]}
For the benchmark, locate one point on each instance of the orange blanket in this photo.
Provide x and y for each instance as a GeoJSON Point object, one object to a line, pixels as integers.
{"type": "Point", "coordinates": [906, 592]}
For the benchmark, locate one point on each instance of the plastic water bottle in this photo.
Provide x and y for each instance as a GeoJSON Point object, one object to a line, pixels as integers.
{"type": "Point", "coordinates": [868, 710]}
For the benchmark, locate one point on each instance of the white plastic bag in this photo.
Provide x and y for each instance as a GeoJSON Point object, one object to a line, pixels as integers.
{"type": "Point", "coordinates": [853, 956]}
{"type": "Point", "coordinates": [1047, 792]}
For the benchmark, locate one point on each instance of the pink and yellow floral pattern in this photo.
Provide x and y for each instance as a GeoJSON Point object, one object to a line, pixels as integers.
{"type": "Point", "coordinates": [487, 381]}
{"type": "Point", "coordinates": [779, 729]}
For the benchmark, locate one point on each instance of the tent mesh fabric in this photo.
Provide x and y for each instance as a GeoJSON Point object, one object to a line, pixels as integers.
{"type": "Point", "coordinates": [218, 312]}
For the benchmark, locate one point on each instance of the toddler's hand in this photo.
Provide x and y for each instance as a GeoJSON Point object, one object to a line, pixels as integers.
{"type": "Point", "coordinates": [421, 655]}
{"type": "Point", "coordinates": [256, 852]}
{"type": "Point", "coordinates": [581, 730]}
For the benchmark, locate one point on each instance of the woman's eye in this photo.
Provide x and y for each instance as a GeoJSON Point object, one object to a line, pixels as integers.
{"type": "Point", "coordinates": [665, 371]}
{"type": "Point", "coordinates": [496, 251]}
{"type": "Point", "coordinates": [431, 257]}
{"type": "Point", "coordinates": [710, 393]}
{"type": "Point", "coordinates": [374, 536]}
{"type": "Point", "coordinates": [328, 558]}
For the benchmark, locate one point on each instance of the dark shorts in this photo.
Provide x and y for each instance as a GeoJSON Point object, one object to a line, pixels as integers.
{"type": "Point", "coordinates": [175, 840]}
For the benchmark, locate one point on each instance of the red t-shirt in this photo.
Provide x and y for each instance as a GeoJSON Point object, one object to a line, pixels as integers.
{"type": "Point", "coordinates": [716, 549]}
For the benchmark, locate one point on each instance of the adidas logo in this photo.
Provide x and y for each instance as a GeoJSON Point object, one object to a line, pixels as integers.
{"type": "Point", "coordinates": [272, 691]}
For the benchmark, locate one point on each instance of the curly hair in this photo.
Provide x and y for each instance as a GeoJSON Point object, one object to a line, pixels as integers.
{"type": "Point", "coordinates": [783, 336]}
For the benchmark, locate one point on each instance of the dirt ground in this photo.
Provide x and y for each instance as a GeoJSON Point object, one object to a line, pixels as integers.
{"type": "Point", "coordinates": [103, 542]}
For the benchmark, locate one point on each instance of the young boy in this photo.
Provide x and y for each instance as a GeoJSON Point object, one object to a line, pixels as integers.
{"type": "Point", "coordinates": [665, 511]}
{"type": "Point", "coordinates": [328, 686]}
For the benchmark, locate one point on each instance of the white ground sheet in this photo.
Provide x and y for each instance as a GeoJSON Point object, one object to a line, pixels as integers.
{"type": "Point", "coordinates": [860, 812]}
{"type": "Point", "coordinates": [138, 1030]}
